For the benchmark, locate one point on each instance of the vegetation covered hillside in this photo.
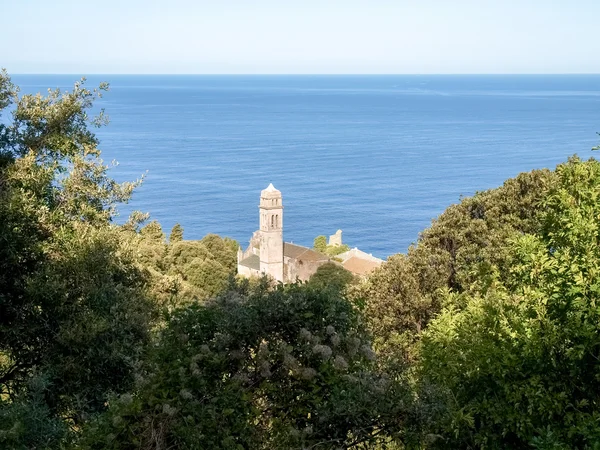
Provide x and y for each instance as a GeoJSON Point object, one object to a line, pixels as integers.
{"type": "Point", "coordinates": [484, 335]}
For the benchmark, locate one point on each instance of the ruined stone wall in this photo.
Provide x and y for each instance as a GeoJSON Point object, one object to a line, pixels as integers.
{"type": "Point", "coordinates": [336, 239]}
{"type": "Point", "coordinates": [297, 268]}
{"type": "Point", "coordinates": [253, 248]}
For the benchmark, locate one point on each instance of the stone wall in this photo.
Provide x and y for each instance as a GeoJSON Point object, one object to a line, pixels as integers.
{"type": "Point", "coordinates": [247, 271]}
{"type": "Point", "coordinates": [335, 239]}
{"type": "Point", "coordinates": [298, 268]}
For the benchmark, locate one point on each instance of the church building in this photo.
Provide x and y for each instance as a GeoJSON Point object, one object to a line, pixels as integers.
{"type": "Point", "coordinates": [284, 261]}
{"type": "Point", "coordinates": [269, 254]}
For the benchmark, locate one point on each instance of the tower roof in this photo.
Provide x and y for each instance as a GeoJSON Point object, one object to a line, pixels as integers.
{"type": "Point", "coordinates": [270, 192]}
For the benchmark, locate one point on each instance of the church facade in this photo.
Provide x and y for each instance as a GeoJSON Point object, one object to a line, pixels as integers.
{"type": "Point", "coordinates": [268, 254]}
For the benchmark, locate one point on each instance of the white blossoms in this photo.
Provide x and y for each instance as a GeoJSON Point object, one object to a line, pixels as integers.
{"type": "Point", "coordinates": [305, 334]}
{"type": "Point", "coordinates": [186, 394]}
{"type": "Point", "coordinates": [323, 351]}
{"type": "Point", "coordinates": [340, 363]}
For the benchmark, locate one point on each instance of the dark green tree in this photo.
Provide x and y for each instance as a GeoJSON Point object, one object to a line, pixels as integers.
{"type": "Point", "coordinates": [26, 421]}
{"type": "Point", "coordinates": [258, 368]}
{"type": "Point", "coordinates": [331, 276]}
{"type": "Point", "coordinates": [73, 303]}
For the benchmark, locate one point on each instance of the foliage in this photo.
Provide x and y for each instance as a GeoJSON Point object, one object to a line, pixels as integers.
{"type": "Point", "coordinates": [334, 250]}
{"type": "Point", "coordinates": [27, 422]}
{"type": "Point", "coordinates": [183, 271]}
{"type": "Point", "coordinates": [462, 249]}
{"type": "Point", "coordinates": [520, 357]}
{"type": "Point", "coordinates": [320, 245]}
{"type": "Point", "coordinates": [331, 276]}
{"type": "Point", "coordinates": [153, 232]}
{"type": "Point", "coordinates": [151, 246]}
{"type": "Point", "coordinates": [284, 368]}
{"type": "Point", "coordinates": [176, 234]}
{"type": "Point", "coordinates": [73, 303]}
{"type": "Point", "coordinates": [78, 293]}
{"type": "Point", "coordinates": [206, 265]}
{"type": "Point", "coordinates": [396, 304]}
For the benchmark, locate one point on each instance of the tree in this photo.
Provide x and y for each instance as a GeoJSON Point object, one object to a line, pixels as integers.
{"type": "Point", "coordinates": [464, 247]}
{"type": "Point", "coordinates": [320, 243]}
{"type": "Point", "coordinates": [519, 357]}
{"type": "Point", "coordinates": [331, 276]}
{"type": "Point", "coordinates": [283, 368]}
{"type": "Point", "coordinates": [27, 422]}
{"type": "Point", "coordinates": [206, 265]}
{"type": "Point", "coordinates": [151, 246]}
{"type": "Point", "coordinates": [176, 234]}
{"type": "Point", "coordinates": [73, 302]}
{"type": "Point", "coordinates": [153, 231]}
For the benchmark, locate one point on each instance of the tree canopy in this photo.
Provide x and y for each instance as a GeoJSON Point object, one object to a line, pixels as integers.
{"type": "Point", "coordinates": [74, 311]}
{"type": "Point", "coordinates": [464, 247]}
{"type": "Point", "coordinates": [320, 244]}
{"type": "Point", "coordinates": [290, 367]}
{"type": "Point", "coordinates": [519, 355]}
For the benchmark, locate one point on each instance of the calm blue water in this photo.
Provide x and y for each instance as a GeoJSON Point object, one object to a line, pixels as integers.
{"type": "Point", "coordinates": [377, 156]}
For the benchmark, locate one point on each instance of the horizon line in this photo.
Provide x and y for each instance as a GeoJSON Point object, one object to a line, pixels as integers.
{"type": "Point", "coordinates": [314, 74]}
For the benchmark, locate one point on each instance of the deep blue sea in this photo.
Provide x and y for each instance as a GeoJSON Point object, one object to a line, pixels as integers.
{"type": "Point", "coordinates": [376, 156]}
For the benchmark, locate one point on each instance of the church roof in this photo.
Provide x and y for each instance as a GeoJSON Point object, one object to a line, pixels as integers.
{"type": "Point", "coordinates": [304, 253]}
{"type": "Point", "coordinates": [252, 261]}
{"type": "Point", "coordinates": [360, 266]}
{"type": "Point", "coordinates": [358, 254]}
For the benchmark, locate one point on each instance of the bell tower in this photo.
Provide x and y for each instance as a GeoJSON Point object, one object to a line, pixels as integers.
{"type": "Point", "coordinates": [271, 232]}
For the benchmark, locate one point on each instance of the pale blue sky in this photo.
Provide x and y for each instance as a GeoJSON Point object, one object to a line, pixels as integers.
{"type": "Point", "coordinates": [300, 36]}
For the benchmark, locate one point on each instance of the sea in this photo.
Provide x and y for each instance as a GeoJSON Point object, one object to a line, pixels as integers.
{"type": "Point", "coordinates": [378, 157]}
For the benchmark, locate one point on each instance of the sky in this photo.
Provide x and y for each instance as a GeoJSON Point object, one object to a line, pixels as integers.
{"type": "Point", "coordinates": [300, 36]}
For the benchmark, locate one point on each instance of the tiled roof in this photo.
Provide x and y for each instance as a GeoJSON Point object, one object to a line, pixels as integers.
{"type": "Point", "coordinates": [252, 261]}
{"type": "Point", "coordinates": [359, 266]}
{"type": "Point", "coordinates": [359, 254]}
{"type": "Point", "coordinates": [304, 253]}
{"type": "Point", "coordinates": [293, 250]}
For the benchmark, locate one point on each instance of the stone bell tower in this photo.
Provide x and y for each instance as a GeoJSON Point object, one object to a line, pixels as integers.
{"type": "Point", "coordinates": [271, 232]}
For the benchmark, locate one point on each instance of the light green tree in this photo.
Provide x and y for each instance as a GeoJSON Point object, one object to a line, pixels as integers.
{"type": "Point", "coordinates": [459, 251]}
{"type": "Point", "coordinates": [518, 356]}
{"type": "Point", "coordinates": [176, 234]}
{"type": "Point", "coordinates": [320, 243]}
{"type": "Point", "coordinates": [153, 231]}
